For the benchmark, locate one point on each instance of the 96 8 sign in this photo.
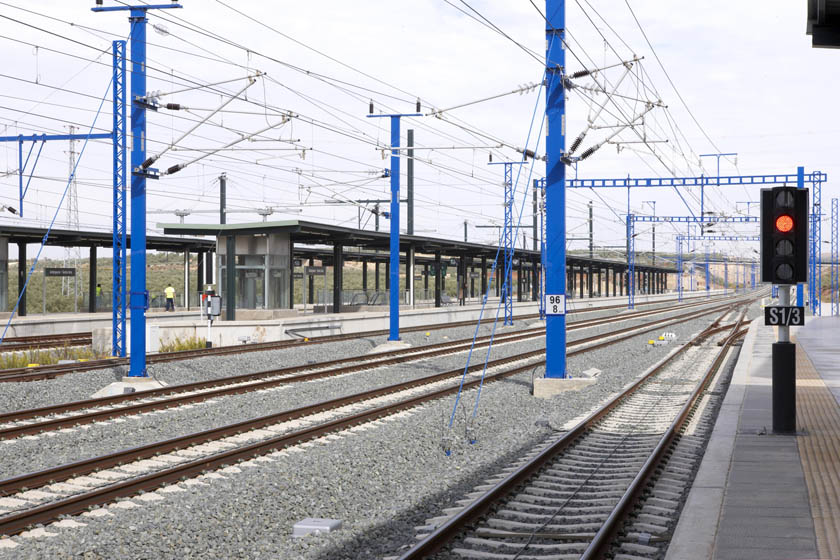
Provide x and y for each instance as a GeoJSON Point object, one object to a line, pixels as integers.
{"type": "Point", "coordinates": [784, 316]}
{"type": "Point", "coordinates": [555, 304]}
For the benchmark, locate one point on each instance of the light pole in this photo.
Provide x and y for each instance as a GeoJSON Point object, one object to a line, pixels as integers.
{"type": "Point", "coordinates": [394, 327]}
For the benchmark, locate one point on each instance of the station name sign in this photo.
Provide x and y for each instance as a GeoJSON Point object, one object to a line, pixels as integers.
{"type": "Point", "coordinates": [779, 316]}
{"type": "Point", "coordinates": [59, 272]}
{"type": "Point", "coordinates": [315, 270]}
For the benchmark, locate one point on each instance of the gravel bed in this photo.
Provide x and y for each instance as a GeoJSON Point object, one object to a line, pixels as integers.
{"type": "Point", "coordinates": [30, 454]}
{"type": "Point", "coordinates": [79, 386]}
{"type": "Point", "coordinates": [381, 482]}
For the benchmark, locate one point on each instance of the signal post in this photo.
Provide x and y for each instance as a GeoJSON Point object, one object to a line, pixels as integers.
{"type": "Point", "coordinates": [784, 262]}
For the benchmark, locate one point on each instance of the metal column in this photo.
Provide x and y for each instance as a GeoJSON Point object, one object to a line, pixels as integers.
{"type": "Point", "coordinates": [438, 274]}
{"type": "Point", "coordinates": [338, 265]}
{"type": "Point", "coordinates": [555, 365]}
{"type": "Point", "coordinates": [92, 281]}
{"type": "Point", "coordinates": [230, 278]}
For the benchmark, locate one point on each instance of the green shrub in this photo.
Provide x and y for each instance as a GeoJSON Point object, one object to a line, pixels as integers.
{"type": "Point", "coordinates": [191, 343]}
{"type": "Point", "coordinates": [46, 356]}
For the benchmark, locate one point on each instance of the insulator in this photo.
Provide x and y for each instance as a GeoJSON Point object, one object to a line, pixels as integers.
{"type": "Point", "coordinates": [370, 107]}
{"type": "Point", "coordinates": [580, 74]}
{"type": "Point", "coordinates": [576, 144]}
{"type": "Point", "coordinates": [418, 106]}
{"type": "Point", "coordinates": [148, 162]}
{"type": "Point", "coordinates": [530, 154]}
{"type": "Point", "coordinates": [174, 169]}
{"type": "Point", "coordinates": [587, 153]}
{"type": "Point", "coordinates": [490, 159]}
{"type": "Point", "coordinates": [173, 106]}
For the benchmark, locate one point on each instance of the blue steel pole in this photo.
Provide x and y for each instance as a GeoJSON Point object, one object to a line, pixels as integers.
{"type": "Point", "coordinates": [139, 296]}
{"type": "Point", "coordinates": [800, 184]}
{"type": "Point", "coordinates": [708, 288]}
{"type": "Point", "coordinates": [555, 187]}
{"type": "Point", "coordinates": [118, 284]}
{"type": "Point", "coordinates": [394, 331]}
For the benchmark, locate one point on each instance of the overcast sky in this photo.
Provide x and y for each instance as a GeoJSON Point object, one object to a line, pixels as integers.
{"type": "Point", "coordinates": [746, 71]}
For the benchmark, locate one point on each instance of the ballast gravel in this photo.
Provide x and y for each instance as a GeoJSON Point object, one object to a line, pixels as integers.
{"type": "Point", "coordinates": [381, 482]}
{"type": "Point", "coordinates": [30, 453]}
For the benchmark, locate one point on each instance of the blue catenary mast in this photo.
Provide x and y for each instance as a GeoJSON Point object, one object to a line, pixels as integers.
{"type": "Point", "coordinates": [555, 187]}
{"type": "Point", "coordinates": [139, 296]}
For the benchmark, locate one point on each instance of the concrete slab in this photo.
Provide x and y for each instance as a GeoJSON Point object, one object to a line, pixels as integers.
{"type": "Point", "coordinates": [315, 525]}
{"type": "Point", "coordinates": [547, 387]}
{"type": "Point", "coordinates": [390, 346]}
{"type": "Point", "coordinates": [129, 385]}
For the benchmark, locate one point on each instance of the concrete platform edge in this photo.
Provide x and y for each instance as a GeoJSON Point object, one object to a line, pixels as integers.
{"type": "Point", "coordinates": [694, 536]}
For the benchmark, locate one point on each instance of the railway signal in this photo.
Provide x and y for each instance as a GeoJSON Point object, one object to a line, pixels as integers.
{"type": "Point", "coordinates": [784, 235]}
{"type": "Point", "coordinates": [784, 262]}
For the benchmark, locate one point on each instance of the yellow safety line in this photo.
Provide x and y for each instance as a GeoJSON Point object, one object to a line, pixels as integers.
{"type": "Point", "coordinates": [818, 419]}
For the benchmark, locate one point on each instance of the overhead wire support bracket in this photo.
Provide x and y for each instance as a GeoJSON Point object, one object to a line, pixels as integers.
{"type": "Point", "coordinates": [203, 120]}
{"type": "Point", "coordinates": [20, 139]}
{"type": "Point", "coordinates": [176, 168]}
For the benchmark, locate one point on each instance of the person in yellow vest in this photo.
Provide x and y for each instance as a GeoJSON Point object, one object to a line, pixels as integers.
{"type": "Point", "coordinates": [98, 296]}
{"type": "Point", "coordinates": [170, 298]}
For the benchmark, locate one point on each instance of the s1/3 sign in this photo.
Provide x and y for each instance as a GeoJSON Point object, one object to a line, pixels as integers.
{"type": "Point", "coordinates": [784, 316]}
{"type": "Point", "coordinates": [555, 304]}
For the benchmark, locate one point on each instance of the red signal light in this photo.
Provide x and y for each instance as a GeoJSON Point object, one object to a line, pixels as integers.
{"type": "Point", "coordinates": [784, 223]}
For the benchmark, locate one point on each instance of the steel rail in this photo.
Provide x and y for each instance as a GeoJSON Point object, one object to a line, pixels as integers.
{"type": "Point", "coordinates": [234, 385]}
{"type": "Point", "coordinates": [602, 540]}
{"type": "Point", "coordinates": [15, 523]}
{"type": "Point", "coordinates": [51, 371]}
{"type": "Point", "coordinates": [455, 525]}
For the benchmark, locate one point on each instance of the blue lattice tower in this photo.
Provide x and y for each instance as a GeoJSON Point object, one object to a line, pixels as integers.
{"type": "Point", "coordinates": [679, 269]}
{"type": "Point", "coordinates": [507, 291]}
{"type": "Point", "coordinates": [835, 266]}
{"type": "Point", "coordinates": [508, 240]}
{"type": "Point", "coordinates": [631, 263]}
{"type": "Point", "coordinates": [816, 244]}
{"type": "Point", "coordinates": [118, 293]}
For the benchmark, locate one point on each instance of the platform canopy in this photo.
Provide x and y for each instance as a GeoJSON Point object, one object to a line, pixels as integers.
{"type": "Point", "coordinates": [78, 238]}
{"type": "Point", "coordinates": [313, 233]}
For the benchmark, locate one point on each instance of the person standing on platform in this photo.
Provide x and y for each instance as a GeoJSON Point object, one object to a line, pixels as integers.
{"type": "Point", "coordinates": [170, 298]}
{"type": "Point", "coordinates": [98, 296]}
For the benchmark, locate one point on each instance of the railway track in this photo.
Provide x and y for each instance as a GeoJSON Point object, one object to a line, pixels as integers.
{"type": "Point", "coordinates": [24, 343]}
{"type": "Point", "coordinates": [102, 479]}
{"type": "Point", "coordinates": [573, 497]}
{"type": "Point", "coordinates": [52, 371]}
{"type": "Point", "coordinates": [34, 421]}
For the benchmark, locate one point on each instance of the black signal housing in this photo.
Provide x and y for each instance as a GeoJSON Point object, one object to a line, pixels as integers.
{"type": "Point", "coordinates": [784, 235]}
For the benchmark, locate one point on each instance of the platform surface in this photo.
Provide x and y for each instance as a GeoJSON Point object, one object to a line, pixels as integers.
{"type": "Point", "coordinates": [764, 496]}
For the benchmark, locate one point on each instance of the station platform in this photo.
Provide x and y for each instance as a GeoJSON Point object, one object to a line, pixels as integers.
{"type": "Point", "coordinates": [763, 496]}
{"type": "Point", "coordinates": [165, 327]}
